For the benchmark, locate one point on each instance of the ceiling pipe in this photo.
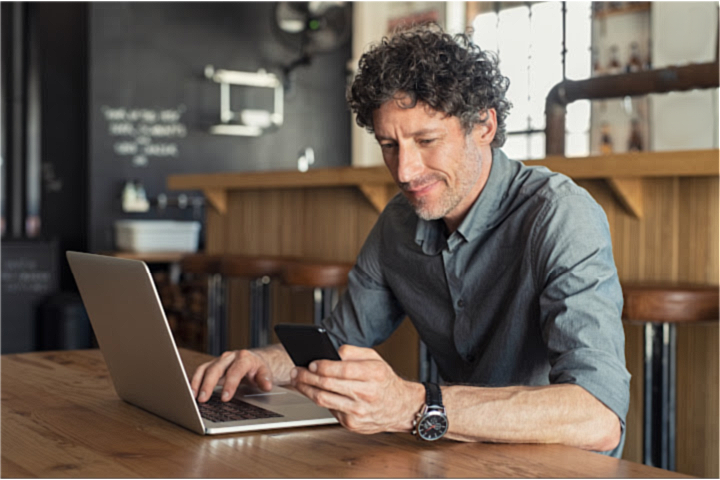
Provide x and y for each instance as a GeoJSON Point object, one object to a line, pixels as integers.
{"type": "Point", "coordinates": [705, 75]}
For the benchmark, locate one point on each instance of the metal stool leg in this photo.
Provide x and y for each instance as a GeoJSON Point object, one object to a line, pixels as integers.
{"type": "Point", "coordinates": [659, 395]}
{"type": "Point", "coordinates": [216, 316]}
{"type": "Point", "coordinates": [259, 311]}
{"type": "Point", "coordinates": [317, 306]}
{"type": "Point", "coordinates": [428, 367]}
{"type": "Point", "coordinates": [324, 300]}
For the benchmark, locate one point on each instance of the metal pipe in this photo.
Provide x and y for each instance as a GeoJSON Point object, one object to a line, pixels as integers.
{"type": "Point", "coordinates": [18, 103]}
{"type": "Point", "coordinates": [669, 79]}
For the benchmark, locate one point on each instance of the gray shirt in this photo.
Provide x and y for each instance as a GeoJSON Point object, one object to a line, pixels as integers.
{"type": "Point", "coordinates": [524, 292]}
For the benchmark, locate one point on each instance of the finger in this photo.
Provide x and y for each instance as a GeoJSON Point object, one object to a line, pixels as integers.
{"type": "Point", "coordinates": [325, 398]}
{"type": "Point", "coordinates": [213, 373]}
{"type": "Point", "coordinates": [356, 370]}
{"type": "Point", "coordinates": [263, 378]}
{"type": "Point", "coordinates": [234, 374]}
{"type": "Point", "coordinates": [351, 352]}
{"type": "Point", "coordinates": [197, 377]}
{"type": "Point", "coordinates": [338, 386]}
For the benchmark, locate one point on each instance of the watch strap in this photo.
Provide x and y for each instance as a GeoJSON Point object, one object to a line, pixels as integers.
{"type": "Point", "coordinates": [433, 395]}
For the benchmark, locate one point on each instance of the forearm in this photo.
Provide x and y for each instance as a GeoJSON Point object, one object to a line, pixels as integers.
{"type": "Point", "coordinates": [279, 362]}
{"type": "Point", "coordinates": [565, 414]}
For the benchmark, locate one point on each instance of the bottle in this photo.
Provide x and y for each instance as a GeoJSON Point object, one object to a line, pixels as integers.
{"type": "Point", "coordinates": [635, 142]}
{"type": "Point", "coordinates": [606, 144]}
{"type": "Point", "coordinates": [635, 63]}
{"type": "Point", "coordinates": [129, 196]}
{"type": "Point", "coordinates": [597, 69]}
{"type": "Point", "coordinates": [614, 66]}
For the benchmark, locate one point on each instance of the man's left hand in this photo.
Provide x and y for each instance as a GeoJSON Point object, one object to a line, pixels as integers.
{"type": "Point", "coordinates": [362, 391]}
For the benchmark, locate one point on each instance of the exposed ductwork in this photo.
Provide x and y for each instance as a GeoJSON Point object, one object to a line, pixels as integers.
{"type": "Point", "coordinates": [706, 75]}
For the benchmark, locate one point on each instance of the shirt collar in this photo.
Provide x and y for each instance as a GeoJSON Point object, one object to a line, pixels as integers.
{"type": "Point", "coordinates": [432, 235]}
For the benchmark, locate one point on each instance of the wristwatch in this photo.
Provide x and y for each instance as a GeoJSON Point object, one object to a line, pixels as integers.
{"type": "Point", "coordinates": [431, 423]}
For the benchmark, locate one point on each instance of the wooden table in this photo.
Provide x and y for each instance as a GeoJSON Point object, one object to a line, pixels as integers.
{"type": "Point", "coordinates": [62, 418]}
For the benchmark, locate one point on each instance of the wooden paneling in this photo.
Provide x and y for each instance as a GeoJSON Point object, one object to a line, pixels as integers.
{"type": "Point", "coordinates": [634, 421]}
{"type": "Point", "coordinates": [675, 241]}
{"type": "Point", "coordinates": [697, 399]}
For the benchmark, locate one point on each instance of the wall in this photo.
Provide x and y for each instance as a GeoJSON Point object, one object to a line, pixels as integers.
{"type": "Point", "coordinates": [151, 56]}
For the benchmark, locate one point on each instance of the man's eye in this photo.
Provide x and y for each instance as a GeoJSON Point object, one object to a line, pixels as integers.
{"type": "Point", "coordinates": [387, 146]}
{"type": "Point", "coordinates": [427, 141]}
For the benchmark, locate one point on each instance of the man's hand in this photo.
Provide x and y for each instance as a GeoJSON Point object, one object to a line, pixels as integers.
{"type": "Point", "coordinates": [362, 391]}
{"type": "Point", "coordinates": [229, 370]}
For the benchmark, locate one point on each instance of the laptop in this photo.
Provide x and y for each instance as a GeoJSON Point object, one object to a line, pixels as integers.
{"type": "Point", "coordinates": [135, 339]}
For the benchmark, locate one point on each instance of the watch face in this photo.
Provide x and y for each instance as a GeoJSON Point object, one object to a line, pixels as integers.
{"type": "Point", "coordinates": [432, 426]}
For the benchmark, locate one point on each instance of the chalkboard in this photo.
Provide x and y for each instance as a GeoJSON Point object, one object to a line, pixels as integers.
{"type": "Point", "coordinates": [29, 276]}
{"type": "Point", "coordinates": [150, 106]}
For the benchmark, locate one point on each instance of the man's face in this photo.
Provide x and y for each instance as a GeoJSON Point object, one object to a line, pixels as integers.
{"type": "Point", "coordinates": [437, 167]}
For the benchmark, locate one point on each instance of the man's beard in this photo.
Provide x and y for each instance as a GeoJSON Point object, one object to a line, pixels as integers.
{"type": "Point", "coordinates": [467, 175]}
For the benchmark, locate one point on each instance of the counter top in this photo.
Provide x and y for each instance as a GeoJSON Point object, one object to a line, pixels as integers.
{"type": "Point", "coordinates": [62, 418]}
{"type": "Point", "coordinates": [622, 170]}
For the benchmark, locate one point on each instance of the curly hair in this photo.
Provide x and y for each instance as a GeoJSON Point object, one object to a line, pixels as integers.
{"type": "Point", "coordinates": [449, 74]}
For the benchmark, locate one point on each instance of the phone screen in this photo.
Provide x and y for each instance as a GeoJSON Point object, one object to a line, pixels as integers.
{"type": "Point", "coordinates": [306, 343]}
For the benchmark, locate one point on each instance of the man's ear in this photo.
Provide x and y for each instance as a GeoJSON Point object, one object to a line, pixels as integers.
{"type": "Point", "coordinates": [484, 133]}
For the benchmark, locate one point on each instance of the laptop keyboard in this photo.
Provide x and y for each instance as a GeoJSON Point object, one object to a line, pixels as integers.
{"type": "Point", "coordinates": [216, 410]}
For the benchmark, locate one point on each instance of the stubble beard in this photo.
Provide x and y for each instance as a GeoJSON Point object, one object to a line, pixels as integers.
{"type": "Point", "coordinates": [467, 175]}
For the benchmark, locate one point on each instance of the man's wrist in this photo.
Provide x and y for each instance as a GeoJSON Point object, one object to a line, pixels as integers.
{"type": "Point", "coordinates": [414, 403]}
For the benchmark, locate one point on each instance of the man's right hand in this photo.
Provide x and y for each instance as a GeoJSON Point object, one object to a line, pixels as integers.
{"type": "Point", "coordinates": [229, 370]}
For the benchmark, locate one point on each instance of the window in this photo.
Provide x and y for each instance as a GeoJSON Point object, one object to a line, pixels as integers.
{"type": "Point", "coordinates": [539, 45]}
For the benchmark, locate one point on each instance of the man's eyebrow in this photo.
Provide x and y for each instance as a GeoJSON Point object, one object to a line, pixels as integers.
{"type": "Point", "coordinates": [424, 131]}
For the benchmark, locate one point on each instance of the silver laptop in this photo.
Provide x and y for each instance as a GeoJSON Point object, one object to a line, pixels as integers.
{"type": "Point", "coordinates": [144, 363]}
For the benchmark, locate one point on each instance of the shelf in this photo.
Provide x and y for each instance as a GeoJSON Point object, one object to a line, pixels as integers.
{"type": "Point", "coordinates": [623, 172]}
{"type": "Point", "coordinates": [633, 7]}
{"type": "Point", "coordinates": [689, 163]}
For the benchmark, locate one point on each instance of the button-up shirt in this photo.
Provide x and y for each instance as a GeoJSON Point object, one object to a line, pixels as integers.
{"type": "Point", "coordinates": [524, 292]}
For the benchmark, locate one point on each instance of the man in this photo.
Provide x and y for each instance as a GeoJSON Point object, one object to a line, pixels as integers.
{"type": "Point", "coordinates": [505, 271]}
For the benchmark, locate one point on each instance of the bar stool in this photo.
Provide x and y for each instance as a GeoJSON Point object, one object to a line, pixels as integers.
{"type": "Point", "coordinates": [325, 278]}
{"type": "Point", "coordinates": [260, 270]}
{"type": "Point", "coordinates": [661, 308]}
{"type": "Point", "coordinates": [209, 265]}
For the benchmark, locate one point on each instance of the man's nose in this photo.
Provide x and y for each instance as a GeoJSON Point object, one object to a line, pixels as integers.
{"type": "Point", "coordinates": [410, 164]}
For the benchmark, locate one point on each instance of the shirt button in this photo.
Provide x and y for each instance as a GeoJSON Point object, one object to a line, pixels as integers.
{"type": "Point", "coordinates": [461, 303]}
{"type": "Point", "coordinates": [470, 358]}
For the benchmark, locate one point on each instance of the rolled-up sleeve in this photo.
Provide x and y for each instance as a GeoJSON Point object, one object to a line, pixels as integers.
{"type": "Point", "coordinates": [581, 300]}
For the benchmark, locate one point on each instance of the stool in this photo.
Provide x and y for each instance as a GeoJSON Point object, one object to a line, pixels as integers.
{"type": "Point", "coordinates": [260, 270]}
{"type": "Point", "coordinates": [325, 278]}
{"type": "Point", "coordinates": [660, 308]}
{"type": "Point", "coordinates": [216, 319]}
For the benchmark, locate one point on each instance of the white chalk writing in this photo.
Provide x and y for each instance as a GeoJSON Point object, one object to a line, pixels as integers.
{"type": "Point", "coordinates": [145, 132]}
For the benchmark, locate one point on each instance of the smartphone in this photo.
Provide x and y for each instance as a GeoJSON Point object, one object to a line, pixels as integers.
{"type": "Point", "coordinates": [306, 343]}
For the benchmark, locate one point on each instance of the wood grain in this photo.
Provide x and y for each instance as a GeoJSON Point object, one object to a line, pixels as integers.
{"type": "Point", "coordinates": [697, 399]}
{"type": "Point", "coordinates": [316, 274]}
{"type": "Point", "coordinates": [61, 418]}
{"type": "Point", "coordinates": [666, 302]}
{"type": "Point", "coordinates": [634, 341]}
